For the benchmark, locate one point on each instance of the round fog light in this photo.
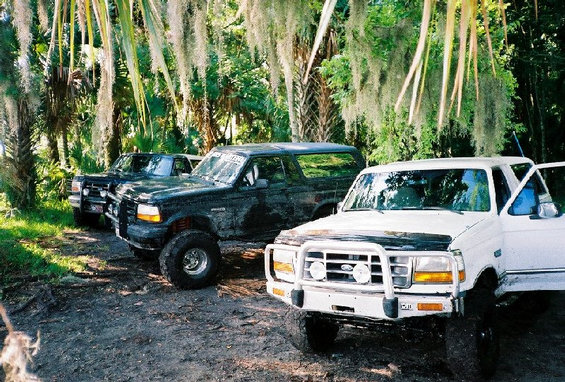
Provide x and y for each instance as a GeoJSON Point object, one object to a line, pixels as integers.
{"type": "Point", "coordinates": [86, 191]}
{"type": "Point", "coordinates": [361, 273]}
{"type": "Point", "coordinates": [103, 194]}
{"type": "Point", "coordinates": [317, 270]}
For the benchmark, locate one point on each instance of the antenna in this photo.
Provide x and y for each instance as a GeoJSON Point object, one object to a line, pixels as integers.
{"type": "Point", "coordinates": [518, 143]}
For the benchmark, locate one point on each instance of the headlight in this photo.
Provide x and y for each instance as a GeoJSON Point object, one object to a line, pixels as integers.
{"type": "Point", "coordinates": [437, 269]}
{"type": "Point", "coordinates": [148, 213]}
{"type": "Point", "coordinates": [103, 194]}
{"type": "Point", "coordinates": [283, 264]}
{"type": "Point", "coordinates": [86, 191]}
{"type": "Point", "coordinates": [362, 273]}
{"type": "Point", "coordinates": [75, 186]}
{"type": "Point", "coordinates": [317, 270]}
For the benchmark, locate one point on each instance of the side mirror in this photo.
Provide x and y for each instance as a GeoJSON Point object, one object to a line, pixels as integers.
{"type": "Point", "coordinates": [261, 184]}
{"type": "Point", "coordinates": [548, 210]}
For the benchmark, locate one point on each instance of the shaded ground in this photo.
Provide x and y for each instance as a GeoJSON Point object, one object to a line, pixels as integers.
{"type": "Point", "coordinates": [121, 321]}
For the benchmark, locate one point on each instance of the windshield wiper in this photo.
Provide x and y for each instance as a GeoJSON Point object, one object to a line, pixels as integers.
{"type": "Point", "coordinates": [433, 208]}
{"type": "Point", "coordinates": [365, 209]}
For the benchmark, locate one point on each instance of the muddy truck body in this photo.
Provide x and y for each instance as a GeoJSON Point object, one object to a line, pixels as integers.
{"type": "Point", "coordinates": [248, 192]}
{"type": "Point", "coordinates": [442, 239]}
{"type": "Point", "coordinates": [88, 193]}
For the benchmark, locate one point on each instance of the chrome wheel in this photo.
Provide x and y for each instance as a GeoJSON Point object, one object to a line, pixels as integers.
{"type": "Point", "coordinates": [195, 261]}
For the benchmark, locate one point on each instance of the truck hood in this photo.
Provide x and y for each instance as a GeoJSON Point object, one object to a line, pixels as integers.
{"type": "Point", "coordinates": [155, 190]}
{"type": "Point", "coordinates": [394, 230]}
{"type": "Point", "coordinates": [115, 177]}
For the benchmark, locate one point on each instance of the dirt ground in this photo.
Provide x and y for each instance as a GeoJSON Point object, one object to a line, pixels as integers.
{"type": "Point", "coordinates": [121, 321]}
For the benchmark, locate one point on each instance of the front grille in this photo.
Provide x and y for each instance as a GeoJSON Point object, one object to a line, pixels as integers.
{"type": "Point", "coordinates": [126, 215]}
{"type": "Point", "coordinates": [131, 209]}
{"type": "Point", "coordinates": [340, 266]}
{"type": "Point", "coordinates": [95, 188]}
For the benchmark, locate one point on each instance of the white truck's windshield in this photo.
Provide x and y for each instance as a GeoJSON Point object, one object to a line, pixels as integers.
{"type": "Point", "coordinates": [451, 189]}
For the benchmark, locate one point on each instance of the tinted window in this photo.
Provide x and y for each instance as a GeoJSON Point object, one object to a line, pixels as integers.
{"type": "Point", "coordinates": [501, 188]}
{"type": "Point", "coordinates": [535, 191]}
{"type": "Point", "coordinates": [292, 174]}
{"type": "Point", "coordinates": [181, 167]}
{"type": "Point", "coordinates": [269, 168]}
{"type": "Point", "coordinates": [146, 164]}
{"type": "Point", "coordinates": [328, 165]}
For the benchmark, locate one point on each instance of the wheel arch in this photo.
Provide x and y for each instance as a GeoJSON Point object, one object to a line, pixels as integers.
{"type": "Point", "coordinates": [324, 209]}
{"type": "Point", "coordinates": [192, 222]}
{"type": "Point", "coordinates": [488, 278]}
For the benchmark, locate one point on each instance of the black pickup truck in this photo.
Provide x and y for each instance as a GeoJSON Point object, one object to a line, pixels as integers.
{"type": "Point", "coordinates": [88, 193]}
{"type": "Point", "coordinates": [248, 192]}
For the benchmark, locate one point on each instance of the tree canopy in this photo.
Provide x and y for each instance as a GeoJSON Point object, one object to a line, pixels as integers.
{"type": "Point", "coordinates": [83, 80]}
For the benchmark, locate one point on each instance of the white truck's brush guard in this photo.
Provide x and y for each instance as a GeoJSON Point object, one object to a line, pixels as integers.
{"type": "Point", "coordinates": [361, 298]}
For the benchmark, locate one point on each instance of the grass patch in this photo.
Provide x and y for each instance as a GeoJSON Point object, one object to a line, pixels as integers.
{"type": "Point", "coordinates": [23, 239]}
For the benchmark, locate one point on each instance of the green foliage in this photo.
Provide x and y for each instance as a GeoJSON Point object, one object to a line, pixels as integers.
{"type": "Point", "coordinates": [538, 64]}
{"type": "Point", "coordinates": [367, 76]}
{"type": "Point", "coordinates": [25, 238]}
{"type": "Point", "coordinates": [52, 180]}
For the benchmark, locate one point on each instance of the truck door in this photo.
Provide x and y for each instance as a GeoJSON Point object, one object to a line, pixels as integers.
{"type": "Point", "coordinates": [533, 227]}
{"type": "Point", "coordinates": [263, 206]}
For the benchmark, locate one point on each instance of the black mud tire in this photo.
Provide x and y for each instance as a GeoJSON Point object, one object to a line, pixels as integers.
{"type": "Point", "coordinates": [190, 260]}
{"type": "Point", "coordinates": [144, 254]}
{"type": "Point", "coordinates": [85, 219]}
{"type": "Point", "coordinates": [472, 341]}
{"type": "Point", "coordinates": [310, 332]}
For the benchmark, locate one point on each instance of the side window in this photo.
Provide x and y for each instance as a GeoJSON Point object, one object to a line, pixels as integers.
{"type": "Point", "coordinates": [328, 165]}
{"type": "Point", "coordinates": [193, 163]}
{"type": "Point", "coordinates": [269, 168]}
{"type": "Point", "coordinates": [180, 167]}
{"type": "Point", "coordinates": [501, 188]}
{"type": "Point", "coordinates": [292, 174]}
{"type": "Point", "coordinates": [528, 199]}
{"type": "Point", "coordinates": [520, 170]}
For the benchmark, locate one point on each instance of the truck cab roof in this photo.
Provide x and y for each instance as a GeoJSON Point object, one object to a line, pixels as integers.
{"type": "Point", "coordinates": [285, 147]}
{"type": "Point", "coordinates": [451, 163]}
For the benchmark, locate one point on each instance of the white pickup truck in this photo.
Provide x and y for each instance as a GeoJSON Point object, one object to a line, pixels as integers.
{"type": "Point", "coordinates": [439, 237]}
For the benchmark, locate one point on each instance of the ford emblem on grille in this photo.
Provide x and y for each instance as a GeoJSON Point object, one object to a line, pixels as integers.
{"type": "Point", "coordinates": [347, 267]}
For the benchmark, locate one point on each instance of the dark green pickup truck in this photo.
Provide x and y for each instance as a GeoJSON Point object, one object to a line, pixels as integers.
{"type": "Point", "coordinates": [88, 192]}
{"type": "Point", "coordinates": [248, 192]}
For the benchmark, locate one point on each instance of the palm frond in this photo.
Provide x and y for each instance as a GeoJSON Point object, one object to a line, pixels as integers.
{"type": "Point", "coordinates": [155, 31]}
{"type": "Point", "coordinates": [329, 6]}
{"type": "Point", "coordinates": [132, 61]}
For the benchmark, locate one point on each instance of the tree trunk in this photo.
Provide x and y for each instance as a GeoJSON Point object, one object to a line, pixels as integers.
{"type": "Point", "coordinates": [52, 147]}
{"type": "Point", "coordinates": [65, 140]}
{"type": "Point", "coordinates": [20, 169]}
{"type": "Point", "coordinates": [115, 142]}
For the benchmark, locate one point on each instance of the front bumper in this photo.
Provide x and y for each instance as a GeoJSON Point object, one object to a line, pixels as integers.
{"type": "Point", "coordinates": [382, 301]}
{"type": "Point", "coordinates": [143, 236]}
{"type": "Point", "coordinates": [373, 306]}
{"type": "Point", "coordinates": [86, 204]}
{"type": "Point", "coordinates": [75, 201]}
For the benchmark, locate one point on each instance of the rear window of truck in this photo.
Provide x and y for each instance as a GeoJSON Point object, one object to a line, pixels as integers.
{"type": "Point", "coordinates": [328, 165]}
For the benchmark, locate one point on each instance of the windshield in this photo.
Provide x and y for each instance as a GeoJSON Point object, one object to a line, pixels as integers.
{"type": "Point", "coordinates": [455, 189]}
{"type": "Point", "coordinates": [220, 167]}
{"type": "Point", "coordinates": [144, 164]}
